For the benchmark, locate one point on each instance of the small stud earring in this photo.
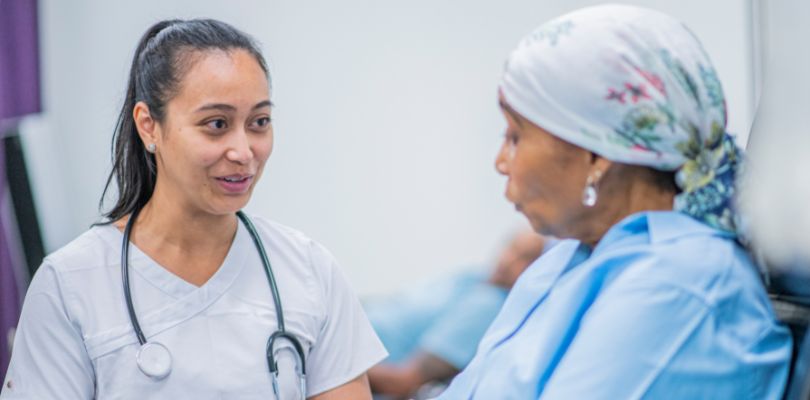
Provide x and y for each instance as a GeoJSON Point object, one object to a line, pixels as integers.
{"type": "Point", "coordinates": [589, 194]}
{"type": "Point", "coordinates": [151, 147]}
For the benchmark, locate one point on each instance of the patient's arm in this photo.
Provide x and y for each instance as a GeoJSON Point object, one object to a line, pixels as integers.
{"type": "Point", "coordinates": [402, 381]}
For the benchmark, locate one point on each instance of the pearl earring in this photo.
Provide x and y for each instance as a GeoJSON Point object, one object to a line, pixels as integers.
{"type": "Point", "coordinates": [151, 147]}
{"type": "Point", "coordinates": [589, 194]}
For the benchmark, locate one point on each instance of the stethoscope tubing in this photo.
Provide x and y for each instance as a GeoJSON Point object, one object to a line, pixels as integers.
{"type": "Point", "coordinates": [271, 279]}
{"type": "Point", "coordinates": [136, 326]}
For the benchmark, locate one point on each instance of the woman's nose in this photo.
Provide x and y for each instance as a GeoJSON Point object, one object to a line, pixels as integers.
{"type": "Point", "coordinates": [502, 160]}
{"type": "Point", "coordinates": [240, 151]}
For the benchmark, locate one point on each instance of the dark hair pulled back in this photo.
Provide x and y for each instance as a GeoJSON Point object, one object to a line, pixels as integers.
{"type": "Point", "coordinates": [163, 56]}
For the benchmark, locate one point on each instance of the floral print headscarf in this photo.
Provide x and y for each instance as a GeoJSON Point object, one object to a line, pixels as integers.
{"type": "Point", "coordinates": [636, 87]}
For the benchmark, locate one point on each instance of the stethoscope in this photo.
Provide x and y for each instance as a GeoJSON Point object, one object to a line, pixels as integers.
{"type": "Point", "coordinates": [155, 360]}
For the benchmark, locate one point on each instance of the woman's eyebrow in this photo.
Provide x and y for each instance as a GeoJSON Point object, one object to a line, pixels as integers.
{"type": "Point", "coordinates": [216, 106]}
{"type": "Point", "coordinates": [265, 103]}
{"type": "Point", "coordinates": [228, 107]}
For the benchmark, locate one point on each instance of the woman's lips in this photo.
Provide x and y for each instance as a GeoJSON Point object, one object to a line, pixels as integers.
{"type": "Point", "coordinates": [235, 184]}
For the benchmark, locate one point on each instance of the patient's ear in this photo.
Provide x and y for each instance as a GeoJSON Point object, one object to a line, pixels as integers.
{"type": "Point", "coordinates": [599, 166]}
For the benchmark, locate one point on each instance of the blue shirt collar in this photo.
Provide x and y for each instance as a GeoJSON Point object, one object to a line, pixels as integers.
{"type": "Point", "coordinates": [668, 225]}
{"type": "Point", "coordinates": [660, 226]}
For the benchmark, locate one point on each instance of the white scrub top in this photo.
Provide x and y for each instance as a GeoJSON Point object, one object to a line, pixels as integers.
{"type": "Point", "coordinates": [75, 339]}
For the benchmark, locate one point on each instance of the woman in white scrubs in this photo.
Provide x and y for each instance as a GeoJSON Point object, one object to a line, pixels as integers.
{"type": "Point", "coordinates": [190, 145]}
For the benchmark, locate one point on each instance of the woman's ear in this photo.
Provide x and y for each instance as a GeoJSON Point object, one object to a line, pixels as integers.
{"type": "Point", "coordinates": [146, 125]}
{"type": "Point", "coordinates": [599, 166]}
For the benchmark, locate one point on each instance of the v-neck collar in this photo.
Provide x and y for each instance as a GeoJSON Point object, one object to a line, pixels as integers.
{"type": "Point", "coordinates": [176, 287]}
{"type": "Point", "coordinates": [187, 300]}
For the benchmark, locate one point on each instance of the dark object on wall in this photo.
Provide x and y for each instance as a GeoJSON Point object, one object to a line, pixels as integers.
{"type": "Point", "coordinates": [23, 201]}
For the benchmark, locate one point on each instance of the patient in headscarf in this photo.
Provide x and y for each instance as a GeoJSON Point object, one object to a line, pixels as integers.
{"type": "Point", "coordinates": [616, 142]}
{"type": "Point", "coordinates": [431, 331]}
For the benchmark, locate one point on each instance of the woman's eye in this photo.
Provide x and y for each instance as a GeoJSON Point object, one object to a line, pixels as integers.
{"type": "Point", "coordinates": [262, 122]}
{"type": "Point", "coordinates": [217, 124]}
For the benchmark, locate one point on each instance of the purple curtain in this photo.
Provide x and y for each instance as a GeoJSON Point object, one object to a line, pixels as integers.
{"type": "Point", "coordinates": [19, 58]}
{"type": "Point", "coordinates": [19, 95]}
{"type": "Point", "coordinates": [11, 269]}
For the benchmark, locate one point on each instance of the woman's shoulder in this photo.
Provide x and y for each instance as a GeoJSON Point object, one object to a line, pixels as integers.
{"type": "Point", "coordinates": [279, 232]}
{"type": "Point", "coordinates": [90, 258]}
{"type": "Point", "coordinates": [688, 257]}
{"type": "Point", "coordinates": [672, 239]}
{"type": "Point", "coordinates": [92, 249]}
{"type": "Point", "coordinates": [291, 247]}
{"type": "Point", "coordinates": [693, 247]}
{"type": "Point", "coordinates": [288, 239]}
{"type": "Point", "coordinates": [268, 226]}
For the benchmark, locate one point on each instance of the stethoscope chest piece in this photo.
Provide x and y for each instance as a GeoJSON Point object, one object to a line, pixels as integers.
{"type": "Point", "coordinates": [154, 360]}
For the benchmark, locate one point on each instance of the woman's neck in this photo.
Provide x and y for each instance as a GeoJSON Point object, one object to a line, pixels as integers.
{"type": "Point", "coordinates": [190, 244]}
{"type": "Point", "coordinates": [172, 223]}
{"type": "Point", "coordinates": [635, 196]}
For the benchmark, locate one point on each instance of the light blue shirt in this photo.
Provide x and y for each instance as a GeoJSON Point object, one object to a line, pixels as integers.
{"type": "Point", "coordinates": [663, 307]}
{"type": "Point", "coordinates": [446, 318]}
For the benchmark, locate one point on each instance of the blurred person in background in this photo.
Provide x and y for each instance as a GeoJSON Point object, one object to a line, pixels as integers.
{"type": "Point", "coordinates": [431, 331]}
{"type": "Point", "coordinates": [616, 141]}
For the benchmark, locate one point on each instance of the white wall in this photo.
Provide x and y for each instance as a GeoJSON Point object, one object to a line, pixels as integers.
{"type": "Point", "coordinates": [386, 117]}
